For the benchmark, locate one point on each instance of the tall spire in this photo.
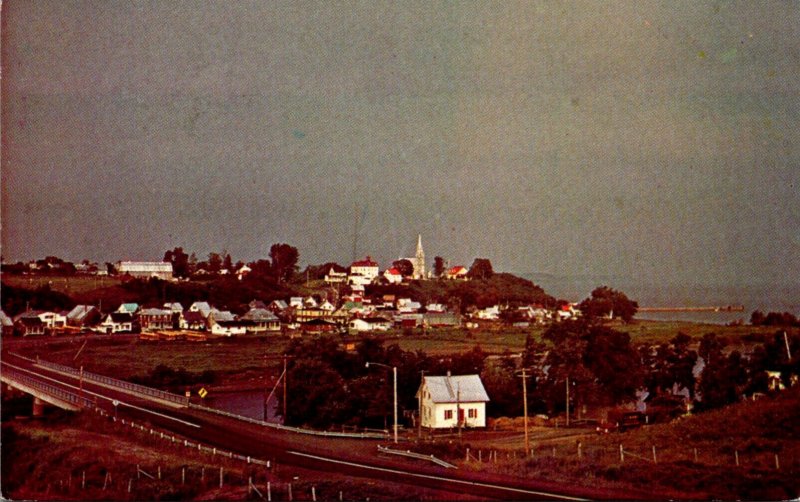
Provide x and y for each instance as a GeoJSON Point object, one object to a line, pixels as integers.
{"type": "Point", "coordinates": [419, 260]}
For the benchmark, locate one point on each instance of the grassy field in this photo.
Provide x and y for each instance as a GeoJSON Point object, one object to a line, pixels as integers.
{"type": "Point", "coordinates": [86, 457]}
{"type": "Point", "coordinates": [75, 285]}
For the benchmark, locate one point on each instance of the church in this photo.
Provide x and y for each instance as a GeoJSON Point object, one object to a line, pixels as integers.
{"type": "Point", "coordinates": [418, 261]}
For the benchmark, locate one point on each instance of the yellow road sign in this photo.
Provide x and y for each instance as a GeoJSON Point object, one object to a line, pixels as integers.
{"type": "Point", "coordinates": [202, 392]}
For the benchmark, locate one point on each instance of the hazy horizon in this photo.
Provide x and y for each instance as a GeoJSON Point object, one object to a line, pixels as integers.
{"type": "Point", "coordinates": [650, 140]}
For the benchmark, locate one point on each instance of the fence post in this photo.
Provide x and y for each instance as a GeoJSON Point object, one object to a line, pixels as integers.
{"type": "Point", "coordinates": [269, 491]}
{"type": "Point", "coordinates": [83, 480]}
{"type": "Point", "coordinates": [654, 455]}
{"type": "Point", "coordinates": [777, 464]}
{"type": "Point", "coordinates": [130, 482]}
{"type": "Point", "coordinates": [290, 492]}
{"type": "Point", "coordinates": [183, 475]}
{"type": "Point", "coordinates": [466, 459]}
{"type": "Point", "coordinates": [159, 472]}
{"type": "Point", "coordinates": [138, 472]}
{"type": "Point", "coordinates": [202, 474]}
{"type": "Point", "coordinates": [579, 450]}
{"type": "Point", "coordinates": [480, 454]}
{"type": "Point", "coordinates": [621, 455]}
{"type": "Point", "coordinates": [695, 455]}
{"type": "Point", "coordinates": [250, 485]}
{"type": "Point", "coordinates": [736, 456]}
{"type": "Point", "coordinates": [314, 493]}
{"type": "Point", "coordinates": [220, 477]}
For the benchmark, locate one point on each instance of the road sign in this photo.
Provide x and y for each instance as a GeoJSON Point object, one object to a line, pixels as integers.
{"type": "Point", "coordinates": [202, 392]}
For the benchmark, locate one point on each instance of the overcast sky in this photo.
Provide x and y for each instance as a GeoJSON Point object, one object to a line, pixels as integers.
{"type": "Point", "coordinates": [656, 140]}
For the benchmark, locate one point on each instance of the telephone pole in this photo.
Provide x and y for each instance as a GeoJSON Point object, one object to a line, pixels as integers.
{"type": "Point", "coordinates": [567, 401]}
{"type": "Point", "coordinates": [524, 376]}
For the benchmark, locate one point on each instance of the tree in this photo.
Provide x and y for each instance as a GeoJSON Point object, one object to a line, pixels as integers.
{"type": "Point", "coordinates": [481, 269]}
{"type": "Point", "coordinates": [438, 266]}
{"type": "Point", "coordinates": [717, 382]}
{"type": "Point", "coordinates": [605, 301]}
{"type": "Point", "coordinates": [214, 262]}
{"type": "Point", "coordinates": [284, 261]}
{"type": "Point", "coordinates": [404, 266]}
{"type": "Point", "coordinates": [179, 260]}
{"type": "Point", "coordinates": [227, 263]}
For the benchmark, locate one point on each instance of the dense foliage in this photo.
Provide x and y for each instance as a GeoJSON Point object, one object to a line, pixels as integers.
{"type": "Point", "coordinates": [608, 302]}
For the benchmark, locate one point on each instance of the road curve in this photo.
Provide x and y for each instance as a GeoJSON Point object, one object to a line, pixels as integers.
{"type": "Point", "coordinates": [345, 456]}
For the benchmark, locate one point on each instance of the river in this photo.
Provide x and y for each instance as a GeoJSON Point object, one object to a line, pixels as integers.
{"type": "Point", "coordinates": [247, 403]}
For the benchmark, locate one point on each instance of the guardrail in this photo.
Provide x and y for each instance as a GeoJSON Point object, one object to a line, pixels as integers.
{"type": "Point", "coordinates": [52, 390]}
{"type": "Point", "coordinates": [352, 435]}
{"type": "Point", "coordinates": [113, 382]}
{"type": "Point", "coordinates": [419, 456]}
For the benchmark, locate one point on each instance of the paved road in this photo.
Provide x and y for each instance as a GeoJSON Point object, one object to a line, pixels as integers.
{"type": "Point", "coordinates": [345, 456]}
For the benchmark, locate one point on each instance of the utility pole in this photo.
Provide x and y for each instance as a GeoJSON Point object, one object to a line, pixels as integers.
{"type": "Point", "coordinates": [525, 410]}
{"type": "Point", "coordinates": [786, 341]}
{"type": "Point", "coordinates": [419, 412]}
{"type": "Point", "coordinates": [285, 377]}
{"type": "Point", "coordinates": [567, 401]}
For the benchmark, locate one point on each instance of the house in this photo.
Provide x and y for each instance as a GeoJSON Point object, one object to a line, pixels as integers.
{"type": "Point", "coordinates": [243, 271]}
{"type": "Point", "coordinates": [326, 305]}
{"type": "Point", "coordinates": [334, 277]}
{"type": "Point", "coordinates": [452, 401]}
{"type": "Point", "coordinates": [310, 303]}
{"type": "Point", "coordinates": [202, 307]}
{"type": "Point", "coordinates": [29, 324]}
{"type": "Point", "coordinates": [153, 319]}
{"type": "Point", "coordinates": [261, 320]}
{"type": "Point", "coordinates": [405, 305]}
{"type": "Point", "coordinates": [7, 324]}
{"type": "Point", "coordinates": [489, 313]}
{"type": "Point", "coordinates": [83, 316]}
{"type": "Point", "coordinates": [146, 269]}
{"type": "Point", "coordinates": [257, 304]}
{"type": "Point", "coordinates": [53, 320]}
{"type": "Point", "coordinates": [393, 276]}
{"type": "Point", "coordinates": [117, 322]}
{"type": "Point", "coordinates": [369, 324]}
{"type": "Point", "coordinates": [441, 320]}
{"type": "Point", "coordinates": [296, 302]}
{"type": "Point", "coordinates": [435, 307]}
{"type": "Point", "coordinates": [192, 320]}
{"type": "Point", "coordinates": [128, 308]}
{"type": "Point", "coordinates": [319, 326]}
{"type": "Point", "coordinates": [277, 307]}
{"type": "Point", "coordinates": [413, 320]}
{"type": "Point", "coordinates": [459, 272]}
{"type": "Point", "coordinates": [228, 327]}
{"type": "Point", "coordinates": [362, 272]}
{"type": "Point", "coordinates": [174, 307]}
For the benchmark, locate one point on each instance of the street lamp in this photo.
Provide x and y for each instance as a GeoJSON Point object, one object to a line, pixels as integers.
{"type": "Point", "coordinates": [394, 372]}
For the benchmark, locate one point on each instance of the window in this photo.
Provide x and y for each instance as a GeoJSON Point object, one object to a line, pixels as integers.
{"type": "Point", "coordinates": [448, 414]}
{"type": "Point", "coordinates": [473, 413]}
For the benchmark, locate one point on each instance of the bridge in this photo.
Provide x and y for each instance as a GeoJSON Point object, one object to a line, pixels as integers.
{"type": "Point", "coordinates": [72, 389]}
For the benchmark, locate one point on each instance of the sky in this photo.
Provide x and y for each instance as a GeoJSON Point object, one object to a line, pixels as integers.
{"type": "Point", "coordinates": [656, 140]}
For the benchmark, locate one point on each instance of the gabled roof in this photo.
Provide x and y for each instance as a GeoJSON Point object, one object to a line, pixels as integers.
{"type": "Point", "coordinates": [128, 307]}
{"type": "Point", "coordinates": [393, 271]}
{"type": "Point", "coordinates": [5, 320]}
{"type": "Point", "coordinates": [192, 317]}
{"type": "Point", "coordinates": [257, 304]}
{"type": "Point", "coordinates": [120, 317]}
{"type": "Point", "coordinates": [174, 306]}
{"type": "Point", "coordinates": [260, 315]}
{"type": "Point", "coordinates": [155, 312]}
{"type": "Point", "coordinates": [203, 307]}
{"type": "Point", "coordinates": [458, 269]}
{"type": "Point", "coordinates": [80, 312]}
{"type": "Point", "coordinates": [452, 389]}
{"type": "Point", "coordinates": [222, 316]}
{"type": "Point", "coordinates": [367, 262]}
{"type": "Point", "coordinates": [280, 304]}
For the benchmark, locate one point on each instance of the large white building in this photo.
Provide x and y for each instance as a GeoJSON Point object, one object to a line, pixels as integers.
{"type": "Point", "coordinates": [362, 272]}
{"type": "Point", "coordinates": [452, 401]}
{"type": "Point", "coordinates": [159, 269]}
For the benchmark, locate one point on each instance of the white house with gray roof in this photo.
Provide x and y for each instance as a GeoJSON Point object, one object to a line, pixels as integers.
{"type": "Point", "coordinates": [449, 401]}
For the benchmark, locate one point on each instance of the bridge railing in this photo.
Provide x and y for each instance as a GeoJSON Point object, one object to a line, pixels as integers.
{"type": "Point", "coordinates": [357, 435]}
{"type": "Point", "coordinates": [120, 384]}
{"type": "Point", "coordinates": [52, 390]}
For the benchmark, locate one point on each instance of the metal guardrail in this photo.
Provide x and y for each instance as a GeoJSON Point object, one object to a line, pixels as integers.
{"type": "Point", "coordinates": [52, 390]}
{"type": "Point", "coordinates": [351, 435]}
{"type": "Point", "coordinates": [113, 382]}
{"type": "Point", "coordinates": [419, 456]}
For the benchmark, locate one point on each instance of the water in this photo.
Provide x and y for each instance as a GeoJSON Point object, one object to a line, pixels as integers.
{"type": "Point", "coordinates": [767, 298]}
{"type": "Point", "coordinates": [247, 403]}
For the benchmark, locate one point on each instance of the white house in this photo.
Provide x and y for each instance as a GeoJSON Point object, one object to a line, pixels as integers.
{"type": "Point", "coordinates": [117, 322]}
{"type": "Point", "coordinates": [370, 324]}
{"type": "Point", "coordinates": [334, 277]}
{"type": "Point", "coordinates": [393, 276]}
{"type": "Point", "coordinates": [459, 272]}
{"type": "Point", "coordinates": [450, 401]}
{"type": "Point", "coordinates": [160, 269]}
{"type": "Point", "coordinates": [53, 319]}
{"type": "Point", "coordinates": [489, 313]}
{"type": "Point", "coordinates": [362, 272]}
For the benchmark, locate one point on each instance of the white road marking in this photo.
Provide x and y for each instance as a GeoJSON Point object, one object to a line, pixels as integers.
{"type": "Point", "coordinates": [438, 478]}
{"type": "Point", "coordinates": [122, 403]}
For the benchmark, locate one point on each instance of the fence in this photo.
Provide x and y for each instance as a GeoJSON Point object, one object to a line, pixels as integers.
{"type": "Point", "coordinates": [56, 392]}
{"type": "Point", "coordinates": [419, 456]}
{"type": "Point", "coordinates": [298, 430]}
{"type": "Point", "coordinates": [133, 388]}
